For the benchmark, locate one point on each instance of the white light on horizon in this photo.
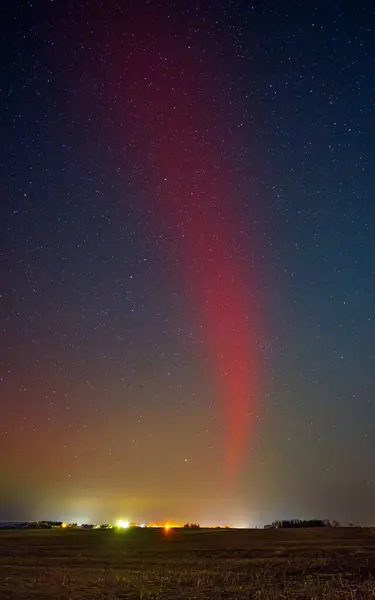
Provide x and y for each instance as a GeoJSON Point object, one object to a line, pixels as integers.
{"type": "Point", "coordinates": [122, 524]}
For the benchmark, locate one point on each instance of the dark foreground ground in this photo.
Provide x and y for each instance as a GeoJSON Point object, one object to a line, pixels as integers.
{"type": "Point", "coordinates": [152, 564]}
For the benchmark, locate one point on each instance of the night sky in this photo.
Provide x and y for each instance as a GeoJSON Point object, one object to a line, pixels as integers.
{"type": "Point", "coordinates": [187, 262]}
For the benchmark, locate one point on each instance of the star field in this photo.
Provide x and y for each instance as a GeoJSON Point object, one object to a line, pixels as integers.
{"type": "Point", "coordinates": [186, 262]}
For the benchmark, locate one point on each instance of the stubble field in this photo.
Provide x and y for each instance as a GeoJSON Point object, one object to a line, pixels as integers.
{"type": "Point", "coordinates": [152, 564]}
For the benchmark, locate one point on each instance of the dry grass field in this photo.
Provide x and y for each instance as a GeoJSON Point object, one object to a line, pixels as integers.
{"type": "Point", "coordinates": [152, 564]}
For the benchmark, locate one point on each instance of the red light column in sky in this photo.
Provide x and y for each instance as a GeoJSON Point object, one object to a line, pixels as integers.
{"type": "Point", "coordinates": [183, 136]}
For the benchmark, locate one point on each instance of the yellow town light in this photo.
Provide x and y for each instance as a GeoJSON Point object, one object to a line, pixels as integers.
{"type": "Point", "coordinates": [122, 524]}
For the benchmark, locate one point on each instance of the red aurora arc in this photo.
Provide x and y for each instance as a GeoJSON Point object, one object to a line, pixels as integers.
{"type": "Point", "coordinates": [184, 140]}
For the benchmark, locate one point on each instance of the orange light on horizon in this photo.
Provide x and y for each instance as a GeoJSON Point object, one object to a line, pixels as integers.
{"type": "Point", "coordinates": [166, 526]}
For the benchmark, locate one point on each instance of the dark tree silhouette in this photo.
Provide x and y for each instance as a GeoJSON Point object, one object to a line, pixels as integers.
{"type": "Point", "coordinates": [298, 523]}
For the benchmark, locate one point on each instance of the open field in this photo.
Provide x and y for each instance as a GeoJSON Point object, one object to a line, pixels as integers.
{"type": "Point", "coordinates": [152, 564]}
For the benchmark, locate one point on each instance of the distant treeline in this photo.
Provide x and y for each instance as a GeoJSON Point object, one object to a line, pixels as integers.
{"type": "Point", "coordinates": [31, 525]}
{"type": "Point", "coordinates": [295, 523]}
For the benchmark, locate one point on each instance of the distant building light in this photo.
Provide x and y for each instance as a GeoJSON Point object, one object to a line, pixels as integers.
{"type": "Point", "coordinates": [122, 524]}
